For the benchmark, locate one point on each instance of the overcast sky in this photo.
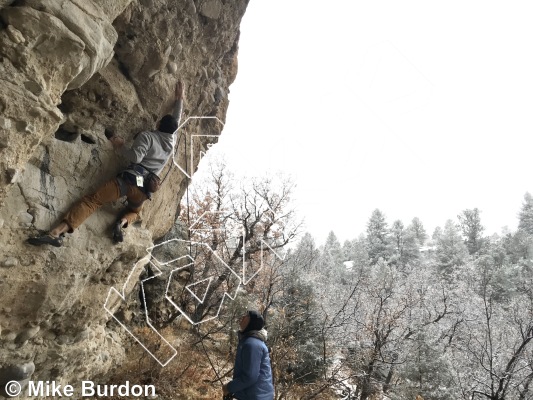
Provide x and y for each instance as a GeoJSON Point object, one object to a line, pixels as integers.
{"type": "Point", "coordinates": [416, 108]}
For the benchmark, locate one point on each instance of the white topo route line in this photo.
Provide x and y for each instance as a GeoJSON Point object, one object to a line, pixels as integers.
{"type": "Point", "coordinates": [115, 298]}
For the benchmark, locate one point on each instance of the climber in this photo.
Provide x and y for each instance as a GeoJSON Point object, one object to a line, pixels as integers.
{"type": "Point", "coordinates": [148, 155]}
{"type": "Point", "coordinates": [252, 375]}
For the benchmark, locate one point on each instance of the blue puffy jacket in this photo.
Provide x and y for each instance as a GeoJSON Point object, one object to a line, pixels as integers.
{"type": "Point", "coordinates": [252, 376]}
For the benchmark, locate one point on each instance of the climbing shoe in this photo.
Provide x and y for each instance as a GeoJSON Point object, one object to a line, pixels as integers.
{"type": "Point", "coordinates": [118, 233]}
{"type": "Point", "coordinates": [46, 239]}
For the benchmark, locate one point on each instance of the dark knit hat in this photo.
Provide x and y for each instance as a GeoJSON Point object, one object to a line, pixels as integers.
{"type": "Point", "coordinates": [168, 124]}
{"type": "Point", "coordinates": [256, 321]}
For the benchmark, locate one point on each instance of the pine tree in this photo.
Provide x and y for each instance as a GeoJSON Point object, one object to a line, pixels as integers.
{"type": "Point", "coordinates": [303, 259]}
{"type": "Point", "coordinates": [451, 250]}
{"type": "Point", "coordinates": [472, 229]}
{"type": "Point", "coordinates": [404, 243]}
{"type": "Point", "coordinates": [398, 233]}
{"type": "Point", "coordinates": [437, 233]}
{"type": "Point", "coordinates": [356, 251]}
{"type": "Point", "coordinates": [331, 260]}
{"type": "Point", "coordinates": [525, 216]}
{"type": "Point", "coordinates": [418, 230]}
{"type": "Point", "coordinates": [378, 239]}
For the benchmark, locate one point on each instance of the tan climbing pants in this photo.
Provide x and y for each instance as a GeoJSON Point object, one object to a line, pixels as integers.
{"type": "Point", "coordinates": [107, 193]}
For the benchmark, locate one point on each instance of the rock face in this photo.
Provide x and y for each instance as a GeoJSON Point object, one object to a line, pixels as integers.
{"type": "Point", "coordinates": [69, 71]}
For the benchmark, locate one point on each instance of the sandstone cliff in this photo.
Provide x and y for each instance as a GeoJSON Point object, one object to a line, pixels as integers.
{"type": "Point", "coordinates": [69, 70]}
